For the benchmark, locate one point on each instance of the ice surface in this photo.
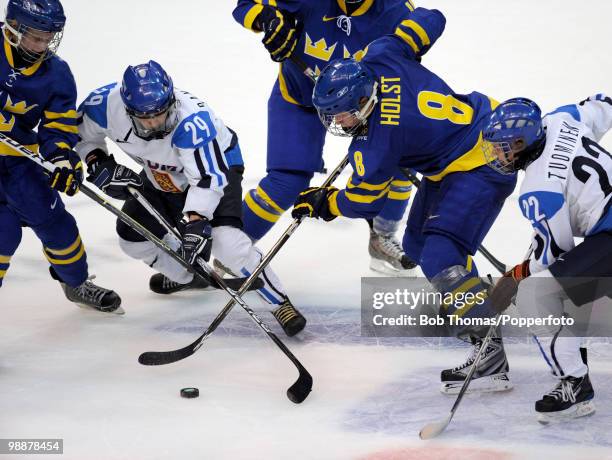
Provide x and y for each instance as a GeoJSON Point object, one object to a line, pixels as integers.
{"type": "Point", "coordinates": [71, 373]}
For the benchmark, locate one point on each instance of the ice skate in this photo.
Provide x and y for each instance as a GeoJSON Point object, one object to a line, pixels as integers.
{"type": "Point", "coordinates": [161, 284]}
{"type": "Point", "coordinates": [92, 296]}
{"type": "Point", "coordinates": [290, 319]}
{"type": "Point", "coordinates": [491, 374]}
{"type": "Point", "coordinates": [387, 256]}
{"type": "Point", "coordinates": [571, 398]}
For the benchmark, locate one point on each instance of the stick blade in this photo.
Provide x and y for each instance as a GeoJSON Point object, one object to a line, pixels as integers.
{"type": "Point", "coordinates": [433, 429]}
{"type": "Point", "coordinates": [302, 387]}
{"type": "Point", "coordinates": [158, 358]}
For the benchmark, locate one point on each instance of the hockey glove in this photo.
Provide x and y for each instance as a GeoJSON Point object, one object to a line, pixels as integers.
{"type": "Point", "coordinates": [506, 288]}
{"type": "Point", "coordinates": [197, 240]}
{"type": "Point", "coordinates": [110, 177]}
{"type": "Point", "coordinates": [280, 33]}
{"type": "Point", "coordinates": [315, 202]}
{"type": "Point", "coordinates": [68, 173]}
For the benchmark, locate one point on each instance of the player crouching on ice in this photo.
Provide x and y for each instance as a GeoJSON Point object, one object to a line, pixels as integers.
{"type": "Point", "coordinates": [401, 115]}
{"type": "Point", "coordinates": [192, 173]}
{"type": "Point", "coordinates": [566, 193]}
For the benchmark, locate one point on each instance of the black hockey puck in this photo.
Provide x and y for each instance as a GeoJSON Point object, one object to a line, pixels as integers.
{"type": "Point", "coordinates": [190, 393]}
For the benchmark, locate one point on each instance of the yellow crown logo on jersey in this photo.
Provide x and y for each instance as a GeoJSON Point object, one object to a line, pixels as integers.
{"type": "Point", "coordinates": [20, 108]}
{"type": "Point", "coordinates": [320, 50]}
{"type": "Point", "coordinates": [6, 125]}
{"type": "Point", "coordinates": [358, 55]}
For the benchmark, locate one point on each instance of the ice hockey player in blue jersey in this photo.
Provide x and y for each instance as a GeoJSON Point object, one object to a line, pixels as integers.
{"type": "Point", "coordinates": [400, 114]}
{"type": "Point", "coordinates": [38, 89]}
{"type": "Point", "coordinates": [317, 32]}
{"type": "Point", "coordinates": [566, 193]}
{"type": "Point", "coordinates": [192, 173]}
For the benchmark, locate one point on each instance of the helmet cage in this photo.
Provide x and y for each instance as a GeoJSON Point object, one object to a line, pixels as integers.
{"type": "Point", "coordinates": [15, 32]}
{"type": "Point", "coordinates": [359, 115]}
{"type": "Point", "coordinates": [158, 132]}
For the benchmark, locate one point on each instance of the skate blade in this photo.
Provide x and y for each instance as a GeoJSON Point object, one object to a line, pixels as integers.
{"type": "Point", "coordinates": [488, 384]}
{"type": "Point", "coordinates": [117, 311]}
{"type": "Point", "coordinates": [578, 410]}
{"type": "Point", "coordinates": [384, 267]}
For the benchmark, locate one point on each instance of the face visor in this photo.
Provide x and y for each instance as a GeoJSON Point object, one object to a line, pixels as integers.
{"type": "Point", "coordinates": [33, 45]}
{"type": "Point", "coordinates": [350, 123]}
{"type": "Point", "coordinates": [154, 125]}
{"type": "Point", "coordinates": [503, 156]}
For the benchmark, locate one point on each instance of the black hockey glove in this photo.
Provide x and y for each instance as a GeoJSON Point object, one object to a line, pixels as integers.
{"type": "Point", "coordinates": [111, 177]}
{"type": "Point", "coordinates": [315, 202]}
{"type": "Point", "coordinates": [197, 240]}
{"type": "Point", "coordinates": [506, 288]}
{"type": "Point", "coordinates": [68, 173]}
{"type": "Point", "coordinates": [280, 33]}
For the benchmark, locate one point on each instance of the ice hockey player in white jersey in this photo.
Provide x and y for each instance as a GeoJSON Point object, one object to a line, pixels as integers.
{"type": "Point", "coordinates": [192, 173]}
{"type": "Point", "coordinates": [566, 193]}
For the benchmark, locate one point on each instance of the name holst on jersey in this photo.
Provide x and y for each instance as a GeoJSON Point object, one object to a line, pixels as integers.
{"type": "Point", "coordinates": [565, 145]}
{"type": "Point", "coordinates": [390, 106]}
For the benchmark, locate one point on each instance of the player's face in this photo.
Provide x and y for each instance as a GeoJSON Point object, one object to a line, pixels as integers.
{"type": "Point", "coordinates": [36, 41]}
{"type": "Point", "coordinates": [153, 123]}
{"type": "Point", "coordinates": [346, 119]}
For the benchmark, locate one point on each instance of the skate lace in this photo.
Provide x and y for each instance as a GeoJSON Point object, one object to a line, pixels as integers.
{"type": "Point", "coordinates": [389, 245]}
{"type": "Point", "coordinates": [471, 358]}
{"type": "Point", "coordinates": [91, 292]}
{"type": "Point", "coordinates": [167, 283]}
{"type": "Point", "coordinates": [564, 391]}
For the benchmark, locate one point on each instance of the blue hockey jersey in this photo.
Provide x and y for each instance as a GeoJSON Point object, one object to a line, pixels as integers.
{"type": "Point", "coordinates": [42, 95]}
{"type": "Point", "coordinates": [328, 32]}
{"type": "Point", "coordinates": [419, 123]}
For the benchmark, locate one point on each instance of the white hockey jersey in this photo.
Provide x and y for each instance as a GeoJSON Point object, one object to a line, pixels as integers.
{"type": "Point", "coordinates": [195, 156]}
{"type": "Point", "coordinates": [567, 191]}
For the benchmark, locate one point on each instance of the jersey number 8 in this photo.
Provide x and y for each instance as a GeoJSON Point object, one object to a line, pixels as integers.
{"type": "Point", "coordinates": [439, 106]}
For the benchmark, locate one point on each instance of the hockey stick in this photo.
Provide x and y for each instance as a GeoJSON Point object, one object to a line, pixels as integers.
{"type": "Point", "coordinates": [303, 67]}
{"type": "Point", "coordinates": [136, 226]}
{"type": "Point", "coordinates": [303, 385]}
{"type": "Point", "coordinates": [498, 264]}
{"type": "Point", "coordinates": [167, 357]}
{"type": "Point", "coordinates": [433, 429]}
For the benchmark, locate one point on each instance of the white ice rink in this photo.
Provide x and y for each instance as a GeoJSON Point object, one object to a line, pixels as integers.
{"type": "Point", "coordinates": [73, 374]}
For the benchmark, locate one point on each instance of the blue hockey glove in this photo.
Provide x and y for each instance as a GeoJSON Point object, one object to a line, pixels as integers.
{"type": "Point", "coordinates": [68, 173]}
{"type": "Point", "coordinates": [280, 33]}
{"type": "Point", "coordinates": [111, 177]}
{"type": "Point", "coordinates": [197, 240]}
{"type": "Point", "coordinates": [315, 202]}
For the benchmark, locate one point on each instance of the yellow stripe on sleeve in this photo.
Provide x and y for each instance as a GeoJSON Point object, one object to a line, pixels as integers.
{"type": "Point", "coordinates": [251, 15]}
{"type": "Point", "coordinates": [407, 38]}
{"type": "Point", "coordinates": [418, 30]}
{"type": "Point", "coordinates": [399, 195]}
{"type": "Point", "coordinates": [62, 127]}
{"type": "Point", "coordinates": [367, 199]}
{"type": "Point", "coordinates": [55, 115]}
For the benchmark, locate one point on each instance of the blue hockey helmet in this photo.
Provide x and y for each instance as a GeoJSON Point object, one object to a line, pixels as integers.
{"type": "Point", "coordinates": [345, 95]}
{"type": "Point", "coordinates": [147, 92]}
{"type": "Point", "coordinates": [513, 135]}
{"type": "Point", "coordinates": [34, 27]}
